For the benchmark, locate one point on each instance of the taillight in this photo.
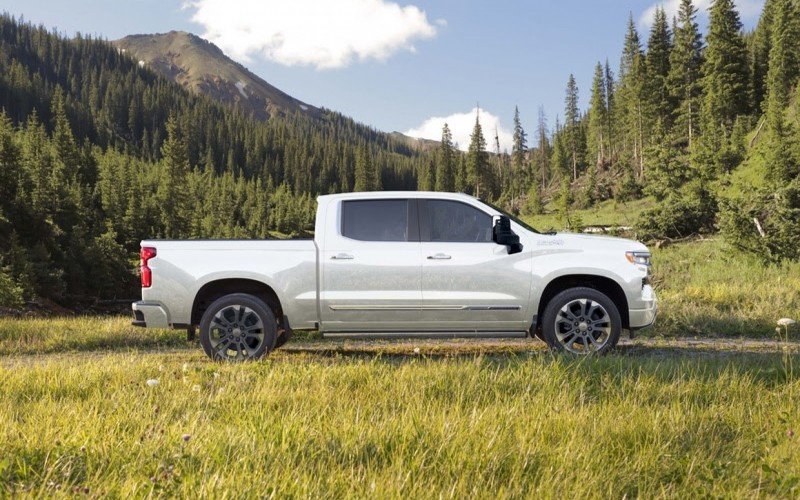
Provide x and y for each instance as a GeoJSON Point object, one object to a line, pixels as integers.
{"type": "Point", "coordinates": [146, 254]}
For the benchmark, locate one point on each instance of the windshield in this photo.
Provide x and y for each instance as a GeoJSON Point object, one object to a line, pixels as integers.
{"type": "Point", "coordinates": [515, 219]}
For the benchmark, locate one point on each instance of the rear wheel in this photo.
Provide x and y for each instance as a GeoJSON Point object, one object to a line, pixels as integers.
{"type": "Point", "coordinates": [238, 327]}
{"type": "Point", "coordinates": [581, 321]}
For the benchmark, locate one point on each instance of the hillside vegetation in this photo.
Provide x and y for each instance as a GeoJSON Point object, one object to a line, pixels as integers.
{"type": "Point", "coordinates": [695, 134]}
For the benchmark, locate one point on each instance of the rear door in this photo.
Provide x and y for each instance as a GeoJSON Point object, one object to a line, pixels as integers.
{"type": "Point", "coordinates": [371, 267]}
{"type": "Point", "coordinates": [468, 281]}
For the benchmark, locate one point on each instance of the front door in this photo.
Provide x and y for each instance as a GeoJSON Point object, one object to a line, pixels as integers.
{"type": "Point", "coordinates": [371, 268]}
{"type": "Point", "coordinates": [470, 283]}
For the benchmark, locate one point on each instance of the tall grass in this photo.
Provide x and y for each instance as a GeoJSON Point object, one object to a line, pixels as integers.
{"type": "Point", "coordinates": [301, 424]}
{"type": "Point", "coordinates": [706, 289]}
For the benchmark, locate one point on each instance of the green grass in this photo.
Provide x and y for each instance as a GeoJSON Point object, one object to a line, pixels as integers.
{"type": "Point", "coordinates": [606, 213]}
{"type": "Point", "coordinates": [88, 333]}
{"type": "Point", "coordinates": [649, 424]}
{"type": "Point", "coordinates": [706, 289]}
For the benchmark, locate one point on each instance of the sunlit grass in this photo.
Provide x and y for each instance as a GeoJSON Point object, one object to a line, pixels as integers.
{"type": "Point", "coordinates": [332, 425]}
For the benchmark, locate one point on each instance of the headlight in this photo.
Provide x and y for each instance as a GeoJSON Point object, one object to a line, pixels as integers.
{"type": "Point", "coordinates": [641, 258]}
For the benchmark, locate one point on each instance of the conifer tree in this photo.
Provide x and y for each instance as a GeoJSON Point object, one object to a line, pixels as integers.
{"type": "Point", "coordinates": [518, 153]}
{"type": "Point", "coordinates": [572, 125]}
{"type": "Point", "coordinates": [542, 153]}
{"type": "Point", "coordinates": [630, 99]}
{"type": "Point", "coordinates": [659, 46]}
{"type": "Point", "coordinates": [725, 69]}
{"type": "Point", "coordinates": [686, 61]}
{"type": "Point", "coordinates": [611, 111]}
{"type": "Point", "coordinates": [598, 118]}
{"type": "Point", "coordinates": [446, 166]}
{"type": "Point", "coordinates": [782, 75]}
{"type": "Point", "coordinates": [366, 176]}
{"type": "Point", "coordinates": [67, 153]}
{"type": "Point", "coordinates": [172, 194]}
{"type": "Point", "coordinates": [426, 178]}
{"type": "Point", "coordinates": [477, 161]}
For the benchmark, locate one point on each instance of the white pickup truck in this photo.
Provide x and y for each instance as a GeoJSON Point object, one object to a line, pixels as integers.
{"type": "Point", "coordinates": [400, 264]}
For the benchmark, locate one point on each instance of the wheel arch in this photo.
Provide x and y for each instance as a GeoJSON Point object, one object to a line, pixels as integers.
{"type": "Point", "coordinates": [603, 284]}
{"type": "Point", "coordinates": [216, 289]}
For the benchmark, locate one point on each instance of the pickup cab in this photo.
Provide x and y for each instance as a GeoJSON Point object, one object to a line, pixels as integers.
{"type": "Point", "coordinates": [400, 264]}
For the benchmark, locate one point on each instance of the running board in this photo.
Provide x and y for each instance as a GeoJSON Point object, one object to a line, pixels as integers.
{"type": "Point", "coordinates": [425, 335]}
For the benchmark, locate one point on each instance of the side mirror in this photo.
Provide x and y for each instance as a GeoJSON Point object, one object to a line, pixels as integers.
{"type": "Point", "coordinates": [503, 235]}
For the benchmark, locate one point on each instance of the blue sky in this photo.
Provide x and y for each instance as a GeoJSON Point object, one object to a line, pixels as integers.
{"type": "Point", "coordinates": [393, 64]}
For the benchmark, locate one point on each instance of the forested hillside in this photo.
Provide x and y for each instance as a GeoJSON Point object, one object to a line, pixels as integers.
{"type": "Point", "coordinates": [705, 125]}
{"type": "Point", "coordinates": [97, 152]}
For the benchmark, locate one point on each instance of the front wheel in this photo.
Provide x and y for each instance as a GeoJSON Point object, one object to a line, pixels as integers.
{"type": "Point", "coordinates": [238, 327]}
{"type": "Point", "coordinates": [581, 321]}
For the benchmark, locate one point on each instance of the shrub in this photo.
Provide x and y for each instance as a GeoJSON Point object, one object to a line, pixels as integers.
{"type": "Point", "coordinates": [778, 214]}
{"type": "Point", "coordinates": [10, 292]}
{"type": "Point", "coordinates": [686, 213]}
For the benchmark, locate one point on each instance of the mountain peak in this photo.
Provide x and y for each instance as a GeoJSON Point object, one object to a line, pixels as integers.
{"type": "Point", "coordinates": [203, 68]}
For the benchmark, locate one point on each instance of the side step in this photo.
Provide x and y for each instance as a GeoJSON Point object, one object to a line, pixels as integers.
{"type": "Point", "coordinates": [425, 335]}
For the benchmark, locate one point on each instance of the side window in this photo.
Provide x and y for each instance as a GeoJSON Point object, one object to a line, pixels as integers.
{"type": "Point", "coordinates": [454, 221]}
{"type": "Point", "coordinates": [376, 220]}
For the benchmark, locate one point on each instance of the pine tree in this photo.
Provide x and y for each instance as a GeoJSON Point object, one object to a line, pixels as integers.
{"type": "Point", "coordinates": [477, 161]}
{"type": "Point", "coordinates": [66, 149]}
{"type": "Point", "coordinates": [760, 46]}
{"type": "Point", "coordinates": [725, 69]}
{"type": "Point", "coordinates": [782, 75]}
{"type": "Point", "coordinates": [172, 195]}
{"type": "Point", "coordinates": [572, 125]}
{"type": "Point", "coordinates": [686, 60]}
{"type": "Point", "coordinates": [518, 153]}
{"type": "Point", "coordinates": [611, 111]}
{"type": "Point", "coordinates": [426, 178]}
{"type": "Point", "coordinates": [366, 177]}
{"type": "Point", "coordinates": [446, 166]}
{"type": "Point", "coordinates": [630, 99]}
{"type": "Point", "coordinates": [598, 118]}
{"type": "Point", "coordinates": [659, 47]}
{"type": "Point", "coordinates": [542, 153]}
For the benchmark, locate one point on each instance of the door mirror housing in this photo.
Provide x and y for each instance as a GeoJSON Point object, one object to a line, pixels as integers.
{"type": "Point", "coordinates": [503, 235]}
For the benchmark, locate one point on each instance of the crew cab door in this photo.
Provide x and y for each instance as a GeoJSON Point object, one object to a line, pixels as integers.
{"type": "Point", "coordinates": [371, 267]}
{"type": "Point", "coordinates": [469, 282]}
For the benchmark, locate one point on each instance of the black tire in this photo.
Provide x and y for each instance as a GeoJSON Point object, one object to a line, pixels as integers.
{"type": "Point", "coordinates": [238, 327]}
{"type": "Point", "coordinates": [581, 320]}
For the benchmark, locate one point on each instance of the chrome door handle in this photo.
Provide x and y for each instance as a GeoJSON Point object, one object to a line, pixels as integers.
{"type": "Point", "coordinates": [439, 256]}
{"type": "Point", "coordinates": [342, 256]}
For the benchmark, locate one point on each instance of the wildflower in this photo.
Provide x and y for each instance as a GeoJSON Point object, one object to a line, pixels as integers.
{"type": "Point", "coordinates": [790, 433]}
{"type": "Point", "coordinates": [216, 375]}
{"type": "Point", "coordinates": [416, 350]}
{"type": "Point", "coordinates": [786, 322]}
{"type": "Point", "coordinates": [152, 382]}
{"type": "Point", "coordinates": [196, 388]}
{"type": "Point", "coordinates": [186, 438]}
{"type": "Point", "coordinates": [185, 367]}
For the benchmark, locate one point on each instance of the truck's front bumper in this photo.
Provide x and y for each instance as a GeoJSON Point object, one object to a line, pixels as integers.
{"type": "Point", "coordinates": [149, 315]}
{"type": "Point", "coordinates": [646, 310]}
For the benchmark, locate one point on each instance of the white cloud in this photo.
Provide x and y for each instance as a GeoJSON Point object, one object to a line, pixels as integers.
{"type": "Point", "coordinates": [321, 33]}
{"type": "Point", "coordinates": [748, 9]}
{"type": "Point", "coordinates": [461, 125]}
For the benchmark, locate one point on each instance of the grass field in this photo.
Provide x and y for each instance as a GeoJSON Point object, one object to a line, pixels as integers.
{"type": "Point", "coordinates": [657, 419]}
